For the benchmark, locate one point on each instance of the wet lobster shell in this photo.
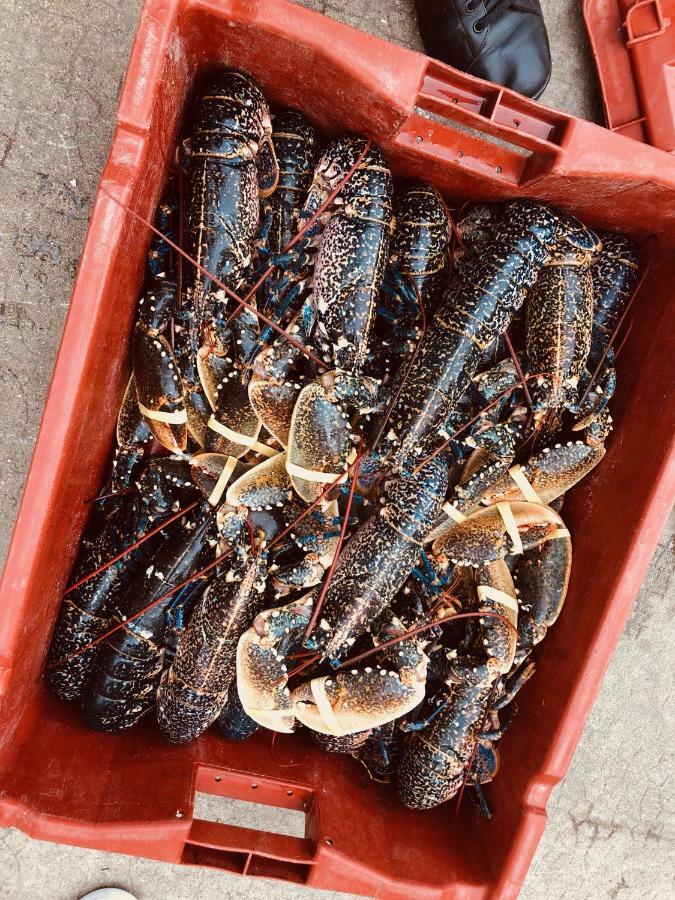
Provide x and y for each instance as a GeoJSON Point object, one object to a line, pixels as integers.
{"type": "Point", "coordinates": [476, 309]}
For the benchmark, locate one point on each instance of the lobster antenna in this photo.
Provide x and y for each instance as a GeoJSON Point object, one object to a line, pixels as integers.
{"type": "Point", "coordinates": [276, 761]}
{"type": "Point", "coordinates": [130, 548]}
{"type": "Point", "coordinates": [121, 493]}
{"type": "Point", "coordinates": [421, 628]}
{"type": "Point", "coordinates": [120, 625]}
{"type": "Point", "coordinates": [625, 338]}
{"type": "Point", "coordinates": [301, 347]}
{"type": "Point", "coordinates": [308, 224]}
{"type": "Point", "coordinates": [446, 443]}
{"type": "Point", "coordinates": [519, 371]}
{"type": "Point", "coordinates": [181, 237]}
{"type": "Point", "coordinates": [296, 671]}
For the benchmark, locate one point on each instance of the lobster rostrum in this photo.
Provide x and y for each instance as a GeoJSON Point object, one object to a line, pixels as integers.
{"type": "Point", "coordinates": [476, 309]}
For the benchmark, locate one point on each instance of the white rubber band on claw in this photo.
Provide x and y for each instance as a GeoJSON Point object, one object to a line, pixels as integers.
{"type": "Point", "coordinates": [223, 479]}
{"type": "Point", "coordinates": [245, 440]}
{"type": "Point", "coordinates": [330, 720]}
{"type": "Point", "coordinates": [518, 475]}
{"type": "Point", "coordinates": [511, 526]}
{"type": "Point", "coordinates": [314, 475]}
{"type": "Point", "coordinates": [265, 450]}
{"type": "Point", "coordinates": [487, 592]}
{"type": "Point", "coordinates": [453, 513]}
{"type": "Point", "coordinates": [560, 533]}
{"type": "Point", "coordinates": [178, 417]}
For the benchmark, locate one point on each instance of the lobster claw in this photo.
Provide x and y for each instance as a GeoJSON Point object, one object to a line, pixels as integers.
{"type": "Point", "coordinates": [198, 413]}
{"type": "Point", "coordinates": [212, 472]}
{"type": "Point", "coordinates": [360, 699]}
{"type": "Point", "coordinates": [542, 576]}
{"type": "Point", "coordinates": [266, 485]}
{"type": "Point", "coordinates": [233, 428]}
{"type": "Point", "coordinates": [262, 674]}
{"type": "Point", "coordinates": [159, 389]}
{"type": "Point", "coordinates": [355, 701]}
{"type": "Point", "coordinates": [495, 532]}
{"type": "Point", "coordinates": [319, 443]}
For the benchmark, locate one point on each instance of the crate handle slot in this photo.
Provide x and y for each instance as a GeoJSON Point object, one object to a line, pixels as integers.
{"type": "Point", "coordinates": [650, 25]}
{"type": "Point", "coordinates": [474, 124]}
{"type": "Point", "coordinates": [252, 850]}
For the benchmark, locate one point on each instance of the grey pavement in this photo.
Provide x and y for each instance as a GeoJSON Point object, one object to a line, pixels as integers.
{"type": "Point", "coordinates": [610, 832]}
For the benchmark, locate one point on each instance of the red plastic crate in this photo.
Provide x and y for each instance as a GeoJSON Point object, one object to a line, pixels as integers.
{"type": "Point", "coordinates": [134, 793]}
{"type": "Point", "coordinates": [633, 43]}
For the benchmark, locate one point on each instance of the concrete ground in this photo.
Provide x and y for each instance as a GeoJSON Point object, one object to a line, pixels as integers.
{"type": "Point", "coordinates": [61, 64]}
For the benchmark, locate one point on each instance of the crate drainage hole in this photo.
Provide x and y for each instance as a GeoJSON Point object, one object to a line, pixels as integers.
{"type": "Point", "coordinates": [247, 814]}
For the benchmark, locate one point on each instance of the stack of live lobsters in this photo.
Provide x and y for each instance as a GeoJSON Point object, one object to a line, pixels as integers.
{"type": "Point", "coordinates": [335, 501]}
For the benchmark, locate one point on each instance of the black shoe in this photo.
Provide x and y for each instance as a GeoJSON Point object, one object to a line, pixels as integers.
{"type": "Point", "coordinates": [504, 41]}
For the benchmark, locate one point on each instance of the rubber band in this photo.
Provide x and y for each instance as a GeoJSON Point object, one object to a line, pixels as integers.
{"type": "Point", "coordinates": [313, 474]}
{"type": "Point", "coordinates": [509, 520]}
{"type": "Point", "coordinates": [245, 440]}
{"type": "Point", "coordinates": [559, 533]}
{"type": "Point", "coordinates": [221, 484]}
{"type": "Point", "coordinates": [265, 450]}
{"type": "Point", "coordinates": [178, 417]}
{"type": "Point", "coordinates": [318, 688]}
{"type": "Point", "coordinates": [487, 592]}
{"type": "Point", "coordinates": [453, 513]}
{"type": "Point", "coordinates": [518, 475]}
